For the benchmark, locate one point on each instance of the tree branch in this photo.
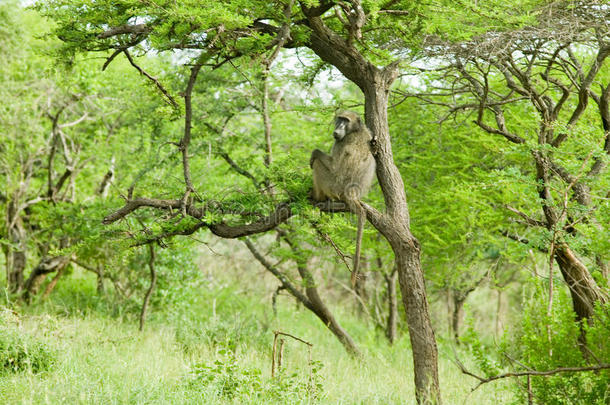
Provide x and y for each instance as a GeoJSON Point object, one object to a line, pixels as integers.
{"type": "Point", "coordinates": [238, 168]}
{"type": "Point", "coordinates": [583, 93]}
{"type": "Point", "coordinates": [186, 139]}
{"type": "Point", "coordinates": [484, 380]}
{"type": "Point", "coordinates": [277, 273]}
{"type": "Point", "coordinates": [168, 97]}
{"type": "Point", "coordinates": [125, 29]}
{"type": "Point", "coordinates": [529, 220]}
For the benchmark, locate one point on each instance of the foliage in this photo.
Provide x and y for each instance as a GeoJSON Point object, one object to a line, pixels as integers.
{"type": "Point", "coordinates": [210, 321]}
{"type": "Point", "coordinates": [230, 380]}
{"type": "Point", "coordinates": [541, 351]}
{"type": "Point", "coordinates": [544, 342]}
{"type": "Point", "coordinates": [20, 351]}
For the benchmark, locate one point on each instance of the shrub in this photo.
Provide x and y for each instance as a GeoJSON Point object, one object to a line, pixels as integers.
{"type": "Point", "coordinates": [245, 385]}
{"type": "Point", "coordinates": [544, 343]}
{"type": "Point", "coordinates": [19, 351]}
{"type": "Point", "coordinates": [564, 349]}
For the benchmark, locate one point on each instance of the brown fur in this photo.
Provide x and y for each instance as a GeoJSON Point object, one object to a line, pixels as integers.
{"type": "Point", "coordinates": [348, 172]}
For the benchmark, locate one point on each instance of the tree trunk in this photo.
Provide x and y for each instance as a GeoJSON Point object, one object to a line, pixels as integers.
{"type": "Point", "coordinates": [15, 253]}
{"type": "Point", "coordinates": [498, 313]}
{"type": "Point", "coordinates": [100, 279]}
{"type": "Point", "coordinates": [151, 287]}
{"type": "Point", "coordinates": [584, 290]}
{"type": "Point", "coordinates": [51, 286]}
{"type": "Point", "coordinates": [604, 268]}
{"type": "Point", "coordinates": [457, 315]}
{"type": "Point", "coordinates": [15, 266]}
{"type": "Point", "coordinates": [360, 282]}
{"type": "Point", "coordinates": [392, 321]}
{"type": "Point", "coordinates": [39, 273]}
{"type": "Point", "coordinates": [394, 226]}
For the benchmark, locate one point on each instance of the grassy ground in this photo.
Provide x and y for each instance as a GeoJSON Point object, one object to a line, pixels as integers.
{"type": "Point", "coordinates": [214, 348]}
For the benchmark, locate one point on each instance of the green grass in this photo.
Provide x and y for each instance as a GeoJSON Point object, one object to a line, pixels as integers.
{"type": "Point", "coordinates": [100, 357]}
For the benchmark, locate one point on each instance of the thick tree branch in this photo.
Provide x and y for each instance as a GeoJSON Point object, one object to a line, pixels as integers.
{"type": "Point", "coordinates": [604, 110]}
{"type": "Point", "coordinates": [151, 287]}
{"type": "Point", "coordinates": [583, 93]}
{"type": "Point", "coordinates": [186, 139]}
{"type": "Point", "coordinates": [125, 29]}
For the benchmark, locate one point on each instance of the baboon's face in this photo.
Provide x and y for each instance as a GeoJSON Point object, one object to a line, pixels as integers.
{"type": "Point", "coordinates": [341, 128]}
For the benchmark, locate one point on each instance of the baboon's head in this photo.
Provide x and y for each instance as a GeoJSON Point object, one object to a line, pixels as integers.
{"type": "Point", "coordinates": [346, 122]}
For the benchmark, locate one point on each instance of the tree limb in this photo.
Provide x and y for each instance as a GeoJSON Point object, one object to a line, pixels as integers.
{"type": "Point", "coordinates": [277, 273]}
{"type": "Point", "coordinates": [125, 29]}
{"type": "Point", "coordinates": [168, 97]}
{"type": "Point", "coordinates": [484, 380]}
{"type": "Point", "coordinates": [529, 220]}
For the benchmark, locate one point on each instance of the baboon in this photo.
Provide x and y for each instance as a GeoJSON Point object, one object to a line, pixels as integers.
{"type": "Point", "coordinates": [347, 173]}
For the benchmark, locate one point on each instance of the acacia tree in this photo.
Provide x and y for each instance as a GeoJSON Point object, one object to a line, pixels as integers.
{"type": "Point", "coordinates": [48, 126]}
{"type": "Point", "coordinates": [342, 34]}
{"type": "Point", "coordinates": [531, 87]}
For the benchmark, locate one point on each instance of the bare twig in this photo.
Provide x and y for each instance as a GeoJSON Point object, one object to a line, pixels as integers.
{"type": "Point", "coordinates": [274, 354]}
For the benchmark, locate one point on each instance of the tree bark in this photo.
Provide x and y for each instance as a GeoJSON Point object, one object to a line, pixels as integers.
{"type": "Point", "coordinates": [15, 266]}
{"type": "Point", "coordinates": [317, 306]}
{"type": "Point", "coordinates": [584, 290]}
{"type": "Point", "coordinates": [153, 282]}
{"type": "Point", "coordinates": [16, 253]}
{"type": "Point", "coordinates": [395, 228]}
{"type": "Point", "coordinates": [498, 326]}
{"type": "Point", "coordinates": [51, 286]}
{"type": "Point", "coordinates": [604, 268]}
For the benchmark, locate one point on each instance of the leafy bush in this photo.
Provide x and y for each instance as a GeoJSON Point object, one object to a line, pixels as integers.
{"type": "Point", "coordinates": [227, 378]}
{"type": "Point", "coordinates": [564, 349]}
{"type": "Point", "coordinates": [233, 382]}
{"type": "Point", "coordinates": [546, 343]}
{"type": "Point", "coordinates": [20, 351]}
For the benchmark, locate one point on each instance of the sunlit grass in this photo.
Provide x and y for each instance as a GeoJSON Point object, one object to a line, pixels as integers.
{"type": "Point", "coordinates": [104, 360]}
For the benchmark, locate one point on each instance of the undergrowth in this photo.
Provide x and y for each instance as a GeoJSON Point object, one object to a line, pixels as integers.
{"type": "Point", "coordinates": [20, 351]}
{"type": "Point", "coordinates": [212, 346]}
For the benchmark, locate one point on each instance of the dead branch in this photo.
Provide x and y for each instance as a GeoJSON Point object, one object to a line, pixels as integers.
{"type": "Point", "coordinates": [277, 333]}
